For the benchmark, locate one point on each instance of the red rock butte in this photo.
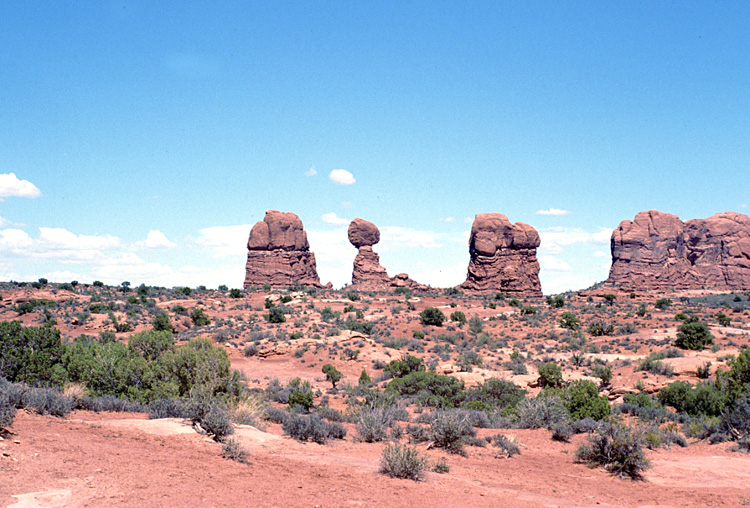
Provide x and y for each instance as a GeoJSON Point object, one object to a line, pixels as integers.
{"type": "Point", "coordinates": [503, 257]}
{"type": "Point", "coordinates": [278, 253]}
{"type": "Point", "coordinates": [659, 251]}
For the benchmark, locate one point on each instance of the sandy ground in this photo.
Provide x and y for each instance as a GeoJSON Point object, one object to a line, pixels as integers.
{"type": "Point", "coordinates": [124, 460]}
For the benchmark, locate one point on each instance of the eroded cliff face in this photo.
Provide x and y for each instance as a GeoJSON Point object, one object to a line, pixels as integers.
{"type": "Point", "coordinates": [368, 273]}
{"type": "Point", "coordinates": [502, 257]}
{"type": "Point", "coordinates": [657, 250]}
{"type": "Point", "coordinates": [278, 253]}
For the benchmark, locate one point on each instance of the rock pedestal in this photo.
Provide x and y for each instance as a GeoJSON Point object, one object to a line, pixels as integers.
{"type": "Point", "coordinates": [278, 253]}
{"type": "Point", "coordinates": [502, 257]}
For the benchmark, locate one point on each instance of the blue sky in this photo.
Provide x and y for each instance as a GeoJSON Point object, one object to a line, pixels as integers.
{"type": "Point", "coordinates": [141, 140]}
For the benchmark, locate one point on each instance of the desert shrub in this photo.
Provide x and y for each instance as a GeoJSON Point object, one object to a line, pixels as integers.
{"type": "Point", "coordinates": [663, 303]}
{"type": "Point", "coordinates": [332, 374]}
{"type": "Point", "coordinates": [406, 365]}
{"type": "Point", "coordinates": [151, 344]}
{"type": "Point", "coordinates": [312, 428]}
{"type": "Point", "coordinates": [600, 328]}
{"type": "Point", "coordinates": [7, 411]}
{"type": "Point", "coordinates": [736, 381]}
{"type": "Point", "coordinates": [373, 423]}
{"type": "Point", "coordinates": [110, 403]}
{"type": "Point", "coordinates": [199, 318]}
{"type": "Point", "coordinates": [458, 317]}
{"type": "Point", "coordinates": [166, 408]}
{"type": "Point", "coordinates": [653, 364]}
{"type": "Point", "coordinates": [541, 412]}
{"type": "Point", "coordinates": [496, 393]}
{"type": "Point", "coordinates": [232, 449]}
{"type": "Point", "coordinates": [603, 373]}
{"type": "Point", "coordinates": [694, 335]}
{"type": "Point", "coordinates": [432, 316]}
{"type": "Point", "coordinates": [403, 462]}
{"type": "Point", "coordinates": [549, 375]}
{"type": "Point", "coordinates": [276, 415]}
{"type": "Point", "coordinates": [275, 315]}
{"type": "Point", "coordinates": [235, 293]}
{"type": "Point", "coordinates": [705, 398]}
{"type": "Point", "coordinates": [570, 321]}
{"type": "Point", "coordinates": [556, 302]}
{"type": "Point", "coordinates": [562, 431]}
{"type": "Point", "coordinates": [441, 467]}
{"type": "Point", "coordinates": [248, 410]}
{"type": "Point", "coordinates": [585, 425]}
{"type": "Point", "coordinates": [30, 355]}
{"type": "Point", "coordinates": [450, 429]}
{"type": "Point", "coordinates": [582, 400]}
{"type": "Point", "coordinates": [47, 401]}
{"type": "Point", "coordinates": [250, 350]}
{"type": "Point", "coordinates": [506, 445]}
{"type": "Point", "coordinates": [735, 420]}
{"type": "Point", "coordinates": [616, 448]}
{"type": "Point", "coordinates": [434, 390]}
{"type": "Point", "coordinates": [161, 322]}
{"type": "Point", "coordinates": [723, 319]}
{"type": "Point", "coordinates": [214, 420]}
{"type": "Point", "coordinates": [417, 433]}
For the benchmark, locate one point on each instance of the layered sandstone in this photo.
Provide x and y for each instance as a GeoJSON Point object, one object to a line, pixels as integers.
{"type": "Point", "coordinates": [278, 253]}
{"type": "Point", "coordinates": [368, 273]}
{"type": "Point", "coordinates": [659, 251]}
{"type": "Point", "coordinates": [502, 257]}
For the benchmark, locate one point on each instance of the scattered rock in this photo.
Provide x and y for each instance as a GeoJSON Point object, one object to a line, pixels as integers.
{"type": "Point", "coordinates": [659, 251]}
{"type": "Point", "coordinates": [278, 253]}
{"type": "Point", "coordinates": [503, 257]}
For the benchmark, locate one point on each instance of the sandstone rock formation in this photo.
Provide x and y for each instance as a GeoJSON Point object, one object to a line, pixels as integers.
{"type": "Point", "coordinates": [368, 274]}
{"type": "Point", "coordinates": [659, 251]}
{"type": "Point", "coordinates": [278, 253]}
{"type": "Point", "coordinates": [502, 257]}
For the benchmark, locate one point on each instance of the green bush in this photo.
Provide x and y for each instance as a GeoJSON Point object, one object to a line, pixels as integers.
{"type": "Point", "coordinates": [432, 316]}
{"type": "Point", "coordinates": [570, 321]}
{"type": "Point", "coordinates": [404, 366]}
{"type": "Point", "coordinates": [459, 317]}
{"type": "Point", "coordinates": [600, 328]}
{"type": "Point", "coordinates": [663, 303]}
{"type": "Point", "coordinates": [434, 390]}
{"type": "Point", "coordinates": [496, 393]}
{"type": "Point", "coordinates": [705, 398]}
{"type": "Point", "coordinates": [332, 374]}
{"type": "Point", "coordinates": [550, 375]}
{"type": "Point", "coordinates": [161, 322]}
{"type": "Point", "coordinates": [616, 448]}
{"type": "Point", "coordinates": [199, 317]}
{"type": "Point", "coordinates": [582, 400]}
{"type": "Point", "coordinates": [29, 354]}
{"type": "Point", "coordinates": [235, 293]}
{"type": "Point", "coordinates": [693, 335]}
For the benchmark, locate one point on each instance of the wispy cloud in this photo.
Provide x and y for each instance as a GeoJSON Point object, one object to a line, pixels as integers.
{"type": "Point", "coordinates": [342, 177]}
{"type": "Point", "coordinates": [553, 264]}
{"type": "Point", "coordinates": [12, 186]}
{"type": "Point", "coordinates": [554, 239]}
{"type": "Point", "coordinates": [553, 211]}
{"type": "Point", "coordinates": [311, 172]}
{"type": "Point", "coordinates": [332, 218]}
{"type": "Point", "coordinates": [223, 241]}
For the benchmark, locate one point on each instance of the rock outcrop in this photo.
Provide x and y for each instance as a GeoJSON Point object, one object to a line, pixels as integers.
{"type": "Point", "coordinates": [502, 257]}
{"type": "Point", "coordinates": [278, 253]}
{"type": "Point", "coordinates": [368, 274]}
{"type": "Point", "coordinates": [659, 251]}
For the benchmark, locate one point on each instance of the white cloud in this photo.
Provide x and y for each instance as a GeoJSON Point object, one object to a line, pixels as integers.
{"type": "Point", "coordinates": [468, 220]}
{"type": "Point", "coordinates": [448, 219]}
{"type": "Point", "coordinates": [332, 218]}
{"type": "Point", "coordinates": [334, 255]}
{"type": "Point", "coordinates": [311, 172]}
{"type": "Point", "coordinates": [555, 238]}
{"type": "Point", "coordinates": [62, 239]}
{"type": "Point", "coordinates": [553, 264]}
{"type": "Point", "coordinates": [743, 205]}
{"type": "Point", "coordinates": [553, 211]}
{"type": "Point", "coordinates": [10, 185]}
{"type": "Point", "coordinates": [225, 241]}
{"type": "Point", "coordinates": [342, 177]}
{"type": "Point", "coordinates": [156, 240]}
{"type": "Point", "coordinates": [14, 240]}
{"type": "Point", "coordinates": [600, 254]}
{"type": "Point", "coordinates": [4, 222]}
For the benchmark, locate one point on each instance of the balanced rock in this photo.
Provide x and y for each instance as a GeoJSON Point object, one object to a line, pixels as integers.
{"type": "Point", "coordinates": [659, 251]}
{"type": "Point", "coordinates": [368, 273]}
{"type": "Point", "coordinates": [502, 257]}
{"type": "Point", "coordinates": [278, 253]}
